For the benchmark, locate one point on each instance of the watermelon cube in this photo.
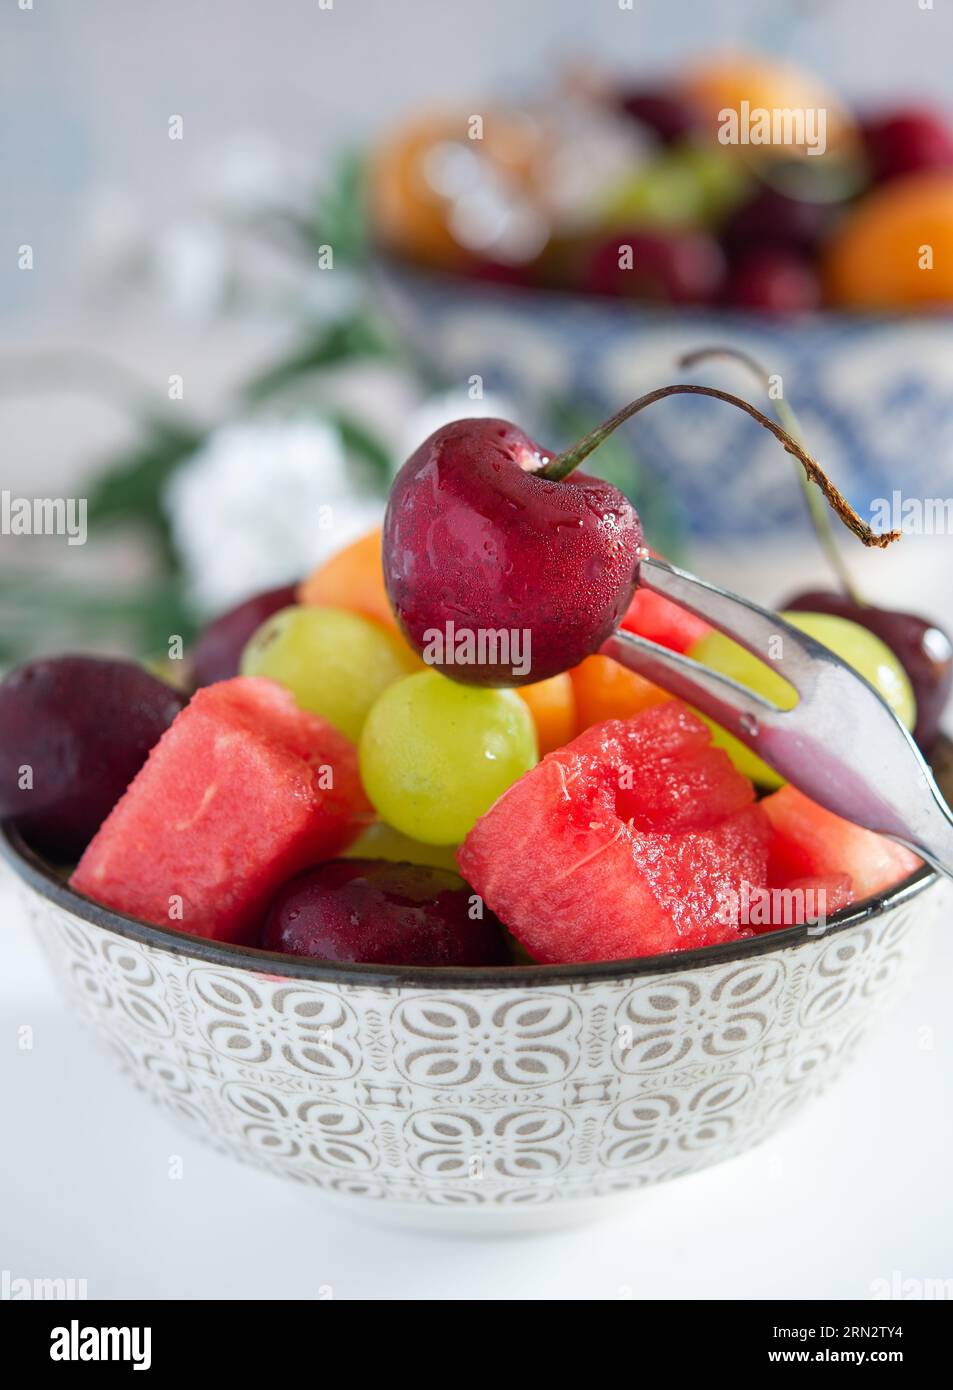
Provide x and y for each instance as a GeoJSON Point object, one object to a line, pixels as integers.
{"type": "Point", "coordinates": [638, 837]}
{"type": "Point", "coordinates": [812, 843]}
{"type": "Point", "coordinates": [659, 619]}
{"type": "Point", "coordinates": [243, 791]}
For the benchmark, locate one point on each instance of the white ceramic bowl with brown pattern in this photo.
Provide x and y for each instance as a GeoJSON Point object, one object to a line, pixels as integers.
{"type": "Point", "coordinates": [486, 1098]}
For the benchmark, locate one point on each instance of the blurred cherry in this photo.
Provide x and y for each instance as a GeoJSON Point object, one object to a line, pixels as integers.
{"type": "Point", "coordinates": [774, 281]}
{"type": "Point", "coordinates": [668, 267]}
{"type": "Point", "coordinates": [905, 142]}
{"type": "Point", "coordinates": [219, 646]}
{"type": "Point", "coordinates": [669, 117]}
{"type": "Point", "coordinates": [923, 649]}
{"type": "Point", "coordinates": [774, 219]}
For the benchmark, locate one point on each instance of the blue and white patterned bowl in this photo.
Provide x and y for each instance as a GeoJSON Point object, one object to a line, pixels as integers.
{"type": "Point", "coordinates": [874, 395]}
{"type": "Point", "coordinates": [486, 1099]}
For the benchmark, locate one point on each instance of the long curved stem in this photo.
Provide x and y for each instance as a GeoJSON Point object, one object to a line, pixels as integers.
{"type": "Point", "coordinates": [820, 517]}
{"type": "Point", "coordinates": [563, 464]}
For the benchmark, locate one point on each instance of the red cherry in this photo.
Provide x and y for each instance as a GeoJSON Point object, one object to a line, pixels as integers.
{"type": "Point", "coordinates": [774, 281]}
{"type": "Point", "coordinates": [923, 650]}
{"type": "Point", "coordinates": [670, 267]}
{"type": "Point", "coordinates": [501, 273]}
{"type": "Point", "coordinates": [379, 913]}
{"type": "Point", "coordinates": [83, 725]}
{"type": "Point", "coordinates": [505, 567]}
{"type": "Point", "coordinates": [669, 117]}
{"type": "Point", "coordinates": [472, 538]}
{"type": "Point", "coordinates": [774, 219]}
{"type": "Point", "coordinates": [218, 647]}
{"type": "Point", "coordinates": [907, 141]}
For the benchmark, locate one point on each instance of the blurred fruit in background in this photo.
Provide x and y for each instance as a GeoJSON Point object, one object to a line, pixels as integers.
{"type": "Point", "coordinates": [731, 80]}
{"type": "Point", "coordinates": [773, 218]}
{"type": "Point", "coordinates": [638, 193]}
{"type": "Point", "coordinates": [680, 267]}
{"type": "Point", "coordinates": [904, 142]}
{"type": "Point", "coordinates": [776, 280]}
{"type": "Point", "coordinates": [692, 184]}
{"type": "Point", "coordinates": [895, 249]}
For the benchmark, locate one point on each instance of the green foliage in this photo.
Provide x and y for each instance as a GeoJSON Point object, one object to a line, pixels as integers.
{"type": "Point", "coordinates": [40, 616]}
{"type": "Point", "coordinates": [359, 336]}
{"type": "Point", "coordinates": [372, 458]}
{"type": "Point", "coordinates": [341, 216]}
{"type": "Point", "coordinates": [129, 489]}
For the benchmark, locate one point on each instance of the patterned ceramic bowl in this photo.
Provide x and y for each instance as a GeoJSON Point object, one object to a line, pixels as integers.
{"type": "Point", "coordinates": [874, 394]}
{"type": "Point", "coordinates": [483, 1098]}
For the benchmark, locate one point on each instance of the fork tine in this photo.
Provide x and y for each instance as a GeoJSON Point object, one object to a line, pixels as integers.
{"type": "Point", "coordinates": [841, 744]}
{"type": "Point", "coordinates": [751, 626]}
{"type": "Point", "coordinates": [732, 705]}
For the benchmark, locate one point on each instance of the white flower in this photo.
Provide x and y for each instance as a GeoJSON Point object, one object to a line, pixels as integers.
{"type": "Point", "coordinates": [193, 268]}
{"type": "Point", "coordinates": [446, 407]}
{"type": "Point", "coordinates": [260, 504]}
{"type": "Point", "coordinates": [250, 173]}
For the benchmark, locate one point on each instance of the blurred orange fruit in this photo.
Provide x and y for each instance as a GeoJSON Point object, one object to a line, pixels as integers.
{"type": "Point", "coordinates": [408, 213]}
{"type": "Point", "coordinates": [606, 690]}
{"type": "Point", "coordinates": [416, 178]}
{"type": "Point", "coordinates": [726, 81]}
{"type": "Point", "coordinates": [353, 578]}
{"type": "Point", "coordinates": [552, 703]}
{"type": "Point", "coordinates": [896, 247]}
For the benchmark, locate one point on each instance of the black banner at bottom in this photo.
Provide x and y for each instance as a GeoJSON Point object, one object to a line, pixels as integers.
{"type": "Point", "coordinates": [169, 1338]}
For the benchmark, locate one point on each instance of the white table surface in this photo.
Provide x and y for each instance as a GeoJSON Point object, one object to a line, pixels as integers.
{"type": "Point", "coordinates": [856, 1189]}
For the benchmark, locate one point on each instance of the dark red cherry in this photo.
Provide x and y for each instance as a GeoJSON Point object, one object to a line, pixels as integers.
{"type": "Point", "coordinates": [74, 731]}
{"type": "Point", "coordinates": [669, 117]}
{"type": "Point", "coordinates": [923, 650]}
{"type": "Point", "coordinates": [773, 219]}
{"type": "Point", "coordinates": [478, 549]}
{"type": "Point", "coordinates": [671, 267]}
{"type": "Point", "coordinates": [380, 913]}
{"type": "Point", "coordinates": [774, 281]}
{"type": "Point", "coordinates": [219, 646]}
{"type": "Point", "coordinates": [905, 142]}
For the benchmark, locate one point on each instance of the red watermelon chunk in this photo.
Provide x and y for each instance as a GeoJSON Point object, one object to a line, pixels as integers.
{"type": "Point", "coordinates": [802, 901]}
{"type": "Point", "coordinates": [659, 619]}
{"type": "Point", "coordinates": [638, 837]}
{"type": "Point", "coordinates": [241, 792]}
{"type": "Point", "coordinates": [812, 843]}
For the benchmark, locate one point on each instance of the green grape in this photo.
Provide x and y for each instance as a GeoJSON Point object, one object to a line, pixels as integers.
{"type": "Point", "coordinates": [435, 755]}
{"type": "Point", "coordinates": [174, 673]}
{"type": "Point", "coordinates": [662, 195]}
{"type": "Point", "coordinates": [688, 186]}
{"type": "Point", "coordinates": [852, 643]}
{"type": "Point", "coordinates": [382, 841]}
{"type": "Point", "coordinates": [721, 178]}
{"type": "Point", "coordinates": [334, 663]}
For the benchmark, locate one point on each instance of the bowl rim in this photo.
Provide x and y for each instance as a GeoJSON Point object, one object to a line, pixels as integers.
{"type": "Point", "coordinates": [32, 869]}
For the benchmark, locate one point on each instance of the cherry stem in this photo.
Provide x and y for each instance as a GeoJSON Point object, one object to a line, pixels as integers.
{"type": "Point", "coordinates": [563, 464]}
{"type": "Point", "coordinates": [820, 517]}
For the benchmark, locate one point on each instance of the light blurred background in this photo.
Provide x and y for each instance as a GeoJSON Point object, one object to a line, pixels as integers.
{"type": "Point", "coordinates": [154, 259]}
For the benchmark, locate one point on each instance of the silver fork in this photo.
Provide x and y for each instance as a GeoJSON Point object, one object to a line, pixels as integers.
{"type": "Point", "coordinates": [841, 744]}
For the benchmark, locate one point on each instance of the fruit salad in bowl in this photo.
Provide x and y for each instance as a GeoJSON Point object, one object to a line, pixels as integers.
{"type": "Point", "coordinates": [409, 892]}
{"type": "Point", "coordinates": [584, 240]}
